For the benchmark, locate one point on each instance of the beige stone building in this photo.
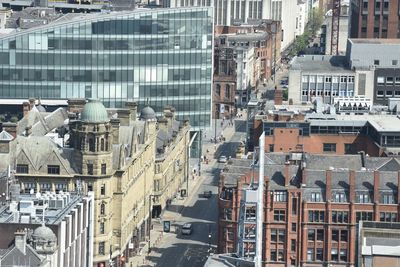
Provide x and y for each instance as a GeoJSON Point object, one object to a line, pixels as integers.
{"type": "Point", "coordinates": [112, 154]}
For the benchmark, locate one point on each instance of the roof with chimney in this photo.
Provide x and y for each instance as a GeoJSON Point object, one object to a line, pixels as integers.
{"type": "Point", "coordinates": [309, 171]}
{"type": "Point", "coordinates": [13, 256]}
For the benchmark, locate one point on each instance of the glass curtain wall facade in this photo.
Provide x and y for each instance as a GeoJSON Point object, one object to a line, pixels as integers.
{"type": "Point", "coordinates": [159, 56]}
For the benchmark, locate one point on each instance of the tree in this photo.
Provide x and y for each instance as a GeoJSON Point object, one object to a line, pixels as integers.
{"type": "Point", "coordinates": [14, 119]}
{"type": "Point", "coordinates": [316, 20]}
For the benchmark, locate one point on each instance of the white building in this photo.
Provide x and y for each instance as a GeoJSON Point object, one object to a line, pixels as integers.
{"type": "Point", "coordinates": [58, 228]}
{"type": "Point", "coordinates": [327, 77]}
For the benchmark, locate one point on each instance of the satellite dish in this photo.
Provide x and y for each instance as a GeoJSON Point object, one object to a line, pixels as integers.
{"type": "Point", "coordinates": [31, 192]}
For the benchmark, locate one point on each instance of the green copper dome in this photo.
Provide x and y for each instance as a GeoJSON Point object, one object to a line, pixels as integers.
{"type": "Point", "coordinates": [94, 112]}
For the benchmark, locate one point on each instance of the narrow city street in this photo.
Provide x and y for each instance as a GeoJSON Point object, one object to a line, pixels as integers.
{"type": "Point", "coordinates": [175, 249]}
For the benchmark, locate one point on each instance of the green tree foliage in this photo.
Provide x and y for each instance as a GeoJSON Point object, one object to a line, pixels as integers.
{"type": "Point", "coordinates": [316, 20]}
{"type": "Point", "coordinates": [14, 119]}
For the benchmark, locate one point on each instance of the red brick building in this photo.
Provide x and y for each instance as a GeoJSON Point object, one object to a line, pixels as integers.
{"type": "Point", "coordinates": [287, 131]}
{"type": "Point", "coordinates": [312, 205]}
{"type": "Point", "coordinates": [375, 19]}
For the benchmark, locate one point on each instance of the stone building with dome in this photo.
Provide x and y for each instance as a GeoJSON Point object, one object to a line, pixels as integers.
{"type": "Point", "coordinates": [112, 153]}
{"type": "Point", "coordinates": [47, 230]}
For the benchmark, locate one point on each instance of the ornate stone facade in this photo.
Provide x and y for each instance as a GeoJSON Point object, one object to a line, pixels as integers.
{"type": "Point", "coordinates": [112, 154]}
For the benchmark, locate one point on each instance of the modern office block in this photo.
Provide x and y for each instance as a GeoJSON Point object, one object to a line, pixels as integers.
{"type": "Point", "coordinates": [160, 56]}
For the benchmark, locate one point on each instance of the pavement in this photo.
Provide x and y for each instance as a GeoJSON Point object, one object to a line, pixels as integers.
{"type": "Point", "coordinates": [175, 249]}
{"type": "Point", "coordinates": [267, 91]}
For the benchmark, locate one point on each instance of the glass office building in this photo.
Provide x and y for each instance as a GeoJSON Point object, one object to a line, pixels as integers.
{"type": "Point", "coordinates": [163, 56]}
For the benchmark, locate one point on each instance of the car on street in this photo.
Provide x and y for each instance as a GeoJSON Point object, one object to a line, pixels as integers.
{"type": "Point", "coordinates": [222, 159]}
{"type": "Point", "coordinates": [187, 229]}
{"type": "Point", "coordinates": [207, 194]}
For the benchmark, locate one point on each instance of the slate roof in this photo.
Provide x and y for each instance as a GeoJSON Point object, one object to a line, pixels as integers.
{"type": "Point", "coordinates": [42, 122]}
{"type": "Point", "coordinates": [315, 172]}
{"type": "Point", "coordinates": [13, 256]}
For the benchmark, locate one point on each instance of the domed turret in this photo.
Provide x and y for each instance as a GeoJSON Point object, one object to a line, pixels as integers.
{"type": "Point", "coordinates": [44, 240]}
{"type": "Point", "coordinates": [44, 234]}
{"type": "Point", "coordinates": [94, 112]}
{"type": "Point", "coordinates": [147, 113]}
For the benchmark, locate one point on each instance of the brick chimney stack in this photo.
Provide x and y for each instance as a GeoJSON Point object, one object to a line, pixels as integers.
{"type": "Point", "coordinates": [278, 96]}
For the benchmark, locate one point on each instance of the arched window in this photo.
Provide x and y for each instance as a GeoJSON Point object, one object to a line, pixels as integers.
{"type": "Point", "coordinates": [102, 144]}
{"type": "Point", "coordinates": [91, 145]}
{"type": "Point", "coordinates": [218, 90]}
{"type": "Point", "coordinates": [102, 209]}
{"type": "Point", "coordinates": [227, 91]}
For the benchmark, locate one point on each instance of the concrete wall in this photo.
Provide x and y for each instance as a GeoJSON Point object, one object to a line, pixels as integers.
{"type": "Point", "coordinates": [294, 86]}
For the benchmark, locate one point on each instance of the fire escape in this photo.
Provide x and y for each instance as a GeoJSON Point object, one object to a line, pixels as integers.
{"type": "Point", "coordinates": [335, 27]}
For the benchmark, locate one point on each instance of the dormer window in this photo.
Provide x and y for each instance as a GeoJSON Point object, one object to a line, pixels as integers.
{"type": "Point", "coordinates": [53, 169]}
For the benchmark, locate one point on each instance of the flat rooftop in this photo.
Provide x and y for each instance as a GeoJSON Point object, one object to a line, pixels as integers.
{"type": "Point", "coordinates": [375, 41]}
{"type": "Point", "coordinates": [52, 216]}
{"type": "Point", "coordinates": [321, 64]}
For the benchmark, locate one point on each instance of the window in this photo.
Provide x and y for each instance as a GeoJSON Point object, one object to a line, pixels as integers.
{"type": "Point", "coordinates": [340, 216]}
{"type": "Point", "coordinates": [389, 93]}
{"type": "Point", "coordinates": [53, 169]}
{"type": "Point", "coordinates": [394, 62]}
{"type": "Point", "coordinates": [279, 215]}
{"type": "Point", "coordinates": [22, 168]}
{"type": "Point", "coordinates": [343, 255]}
{"type": "Point", "coordinates": [103, 189]}
{"type": "Point", "coordinates": [316, 216]}
{"type": "Point", "coordinates": [316, 197]}
{"type": "Point", "coordinates": [379, 93]}
{"type": "Point", "coordinates": [387, 198]}
{"type": "Point", "coordinates": [310, 254]}
{"type": "Point", "coordinates": [351, 79]}
{"type": "Point", "coordinates": [343, 79]}
{"type": "Point", "coordinates": [273, 255]}
{"type": "Point", "coordinates": [388, 217]}
{"type": "Point", "coordinates": [329, 147]}
{"type": "Point", "coordinates": [334, 254]}
{"type": "Point", "coordinates": [343, 235]}
{"type": "Point", "coordinates": [348, 149]}
{"type": "Point", "coordinates": [90, 169]}
{"type": "Point", "coordinates": [293, 245]}
{"type": "Point", "coordinates": [102, 209]}
{"type": "Point", "coordinates": [277, 255]}
{"type": "Point", "coordinates": [294, 206]}
{"type": "Point", "coordinates": [102, 144]}
{"type": "Point", "coordinates": [280, 196]}
{"type": "Point", "coordinates": [397, 93]}
{"type": "Point", "coordinates": [363, 197]}
{"type": "Point", "coordinates": [101, 248]}
{"type": "Point", "coordinates": [335, 235]}
{"type": "Point", "coordinates": [311, 235]}
{"type": "Point", "coordinates": [380, 80]}
{"type": "Point", "coordinates": [376, 62]}
{"type": "Point", "coordinates": [389, 80]}
{"type": "Point", "coordinates": [294, 227]}
{"type": "Point", "coordinates": [250, 214]}
{"type": "Point", "coordinates": [397, 80]}
{"type": "Point", "coordinates": [320, 254]}
{"type": "Point", "coordinates": [103, 168]}
{"type": "Point", "coordinates": [320, 234]}
{"type": "Point", "coordinates": [227, 214]}
{"type": "Point", "coordinates": [364, 216]}
{"type": "Point", "coordinates": [101, 228]}
{"type": "Point", "coordinates": [328, 79]}
{"type": "Point", "coordinates": [339, 197]}
{"type": "Point", "coordinates": [218, 90]}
